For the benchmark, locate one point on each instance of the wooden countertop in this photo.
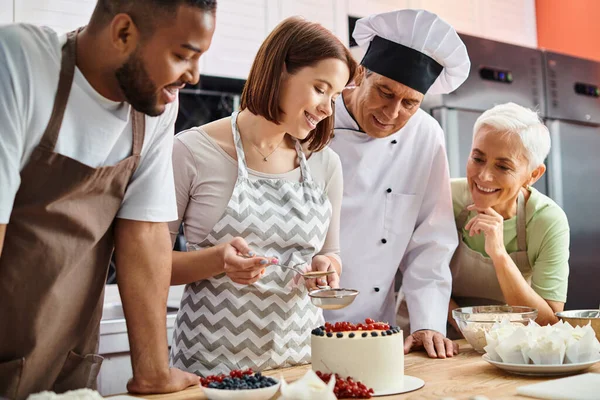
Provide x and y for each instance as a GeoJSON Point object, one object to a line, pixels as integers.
{"type": "Point", "coordinates": [460, 377]}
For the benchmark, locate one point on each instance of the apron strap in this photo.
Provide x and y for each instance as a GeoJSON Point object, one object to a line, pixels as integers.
{"type": "Point", "coordinates": [65, 82]}
{"type": "Point", "coordinates": [241, 157]}
{"type": "Point", "coordinates": [461, 220]}
{"type": "Point", "coordinates": [239, 148]}
{"type": "Point", "coordinates": [521, 223]}
{"type": "Point", "coordinates": [304, 169]}
{"type": "Point", "coordinates": [138, 125]}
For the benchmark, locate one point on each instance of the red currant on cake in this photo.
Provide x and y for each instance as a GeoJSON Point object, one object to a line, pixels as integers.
{"type": "Point", "coordinates": [347, 388]}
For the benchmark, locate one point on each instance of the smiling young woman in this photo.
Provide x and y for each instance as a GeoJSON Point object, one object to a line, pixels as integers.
{"type": "Point", "coordinates": [261, 182]}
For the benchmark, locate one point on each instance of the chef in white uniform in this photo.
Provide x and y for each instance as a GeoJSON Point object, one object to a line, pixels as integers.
{"type": "Point", "coordinates": [397, 206]}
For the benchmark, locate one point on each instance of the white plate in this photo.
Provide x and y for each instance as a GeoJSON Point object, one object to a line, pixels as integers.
{"type": "Point", "coordinates": [541, 370]}
{"type": "Point", "coordinates": [248, 394]}
{"type": "Point", "coordinates": [410, 384]}
{"type": "Point", "coordinates": [125, 397]}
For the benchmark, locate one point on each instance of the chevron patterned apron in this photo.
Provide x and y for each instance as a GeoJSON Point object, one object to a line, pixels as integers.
{"type": "Point", "coordinates": [222, 325]}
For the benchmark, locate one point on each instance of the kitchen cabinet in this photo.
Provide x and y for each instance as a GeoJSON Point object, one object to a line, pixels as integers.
{"type": "Point", "coordinates": [332, 14]}
{"type": "Point", "coordinates": [60, 15]}
{"type": "Point", "coordinates": [241, 28]}
{"type": "Point", "coordinates": [362, 8]}
{"type": "Point", "coordinates": [116, 367]}
{"type": "Point", "coordinates": [321, 11]}
{"type": "Point", "coordinates": [510, 21]}
{"type": "Point", "coordinates": [6, 11]}
{"type": "Point", "coordinates": [114, 347]}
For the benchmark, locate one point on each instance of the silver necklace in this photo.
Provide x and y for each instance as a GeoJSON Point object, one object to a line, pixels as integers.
{"type": "Point", "coordinates": [265, 157]}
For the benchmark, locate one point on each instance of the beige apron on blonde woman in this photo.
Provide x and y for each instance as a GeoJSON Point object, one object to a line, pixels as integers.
{"type": "Point", "coordinates": [53, 267]}
{"type": "Point", "coordinates": [474, 280]}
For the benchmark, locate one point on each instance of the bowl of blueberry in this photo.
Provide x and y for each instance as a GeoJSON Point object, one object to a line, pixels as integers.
{"type": "Point", "coordinates": [239, 384]}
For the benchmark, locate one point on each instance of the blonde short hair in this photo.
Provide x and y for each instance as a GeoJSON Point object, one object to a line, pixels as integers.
{"type": "Point", "coordinates": [522, 123]}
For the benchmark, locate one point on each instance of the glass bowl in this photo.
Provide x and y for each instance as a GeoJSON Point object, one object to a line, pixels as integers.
{"type": "Point", "coordinates": [474, 322]}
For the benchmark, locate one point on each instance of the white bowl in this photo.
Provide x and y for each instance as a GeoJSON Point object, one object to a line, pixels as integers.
{"type": "Point", "coordinates": [247, 394]}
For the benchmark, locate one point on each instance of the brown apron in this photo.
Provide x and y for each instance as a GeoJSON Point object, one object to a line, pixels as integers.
{"type": "Point", "coordinates": [474, 279]}
{"type": "Point", "coordinates": [53, 268]}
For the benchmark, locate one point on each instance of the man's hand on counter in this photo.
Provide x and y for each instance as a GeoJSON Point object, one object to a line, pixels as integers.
{"type": "Point", "coordinates": [176, 380]}
{"type": "Point", "coordinates": [143, 260]}
{"type": "Point", "coordinates": [436, 345]}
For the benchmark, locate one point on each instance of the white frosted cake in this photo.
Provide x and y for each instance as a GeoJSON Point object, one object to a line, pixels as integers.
{"type": "Point", "coordinates": [373, 356]}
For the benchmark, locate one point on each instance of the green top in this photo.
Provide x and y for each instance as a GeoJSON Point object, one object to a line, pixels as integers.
{"type": "Point", "coordinates": [547, 239]}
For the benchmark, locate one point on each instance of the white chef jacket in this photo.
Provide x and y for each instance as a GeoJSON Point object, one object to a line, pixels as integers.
{"type": "Point", "coordinates": [396, 213]}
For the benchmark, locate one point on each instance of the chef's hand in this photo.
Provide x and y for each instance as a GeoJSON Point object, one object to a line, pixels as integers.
{"type": "Point", "coordinates": [176, 380]}
{"type": "Point", "coordinates": [241, 264]}
{"type": "Point", "coordinates": [436, 345]}
{"type": "Point", "coordinates": [491, 224]}
{"type": "Point", "coordinates": [322, 263]}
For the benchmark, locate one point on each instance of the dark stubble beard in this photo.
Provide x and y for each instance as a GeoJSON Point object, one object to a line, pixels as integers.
{"type": "Point", "coordinates": [138, 88]}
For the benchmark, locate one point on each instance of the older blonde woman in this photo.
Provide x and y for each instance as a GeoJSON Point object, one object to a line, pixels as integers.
{"type": "Point", "coordinates": [514, 241]}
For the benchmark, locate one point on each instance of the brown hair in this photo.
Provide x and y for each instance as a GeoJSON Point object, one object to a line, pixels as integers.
{"type": "Point", "coordinates": [294, 44]}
